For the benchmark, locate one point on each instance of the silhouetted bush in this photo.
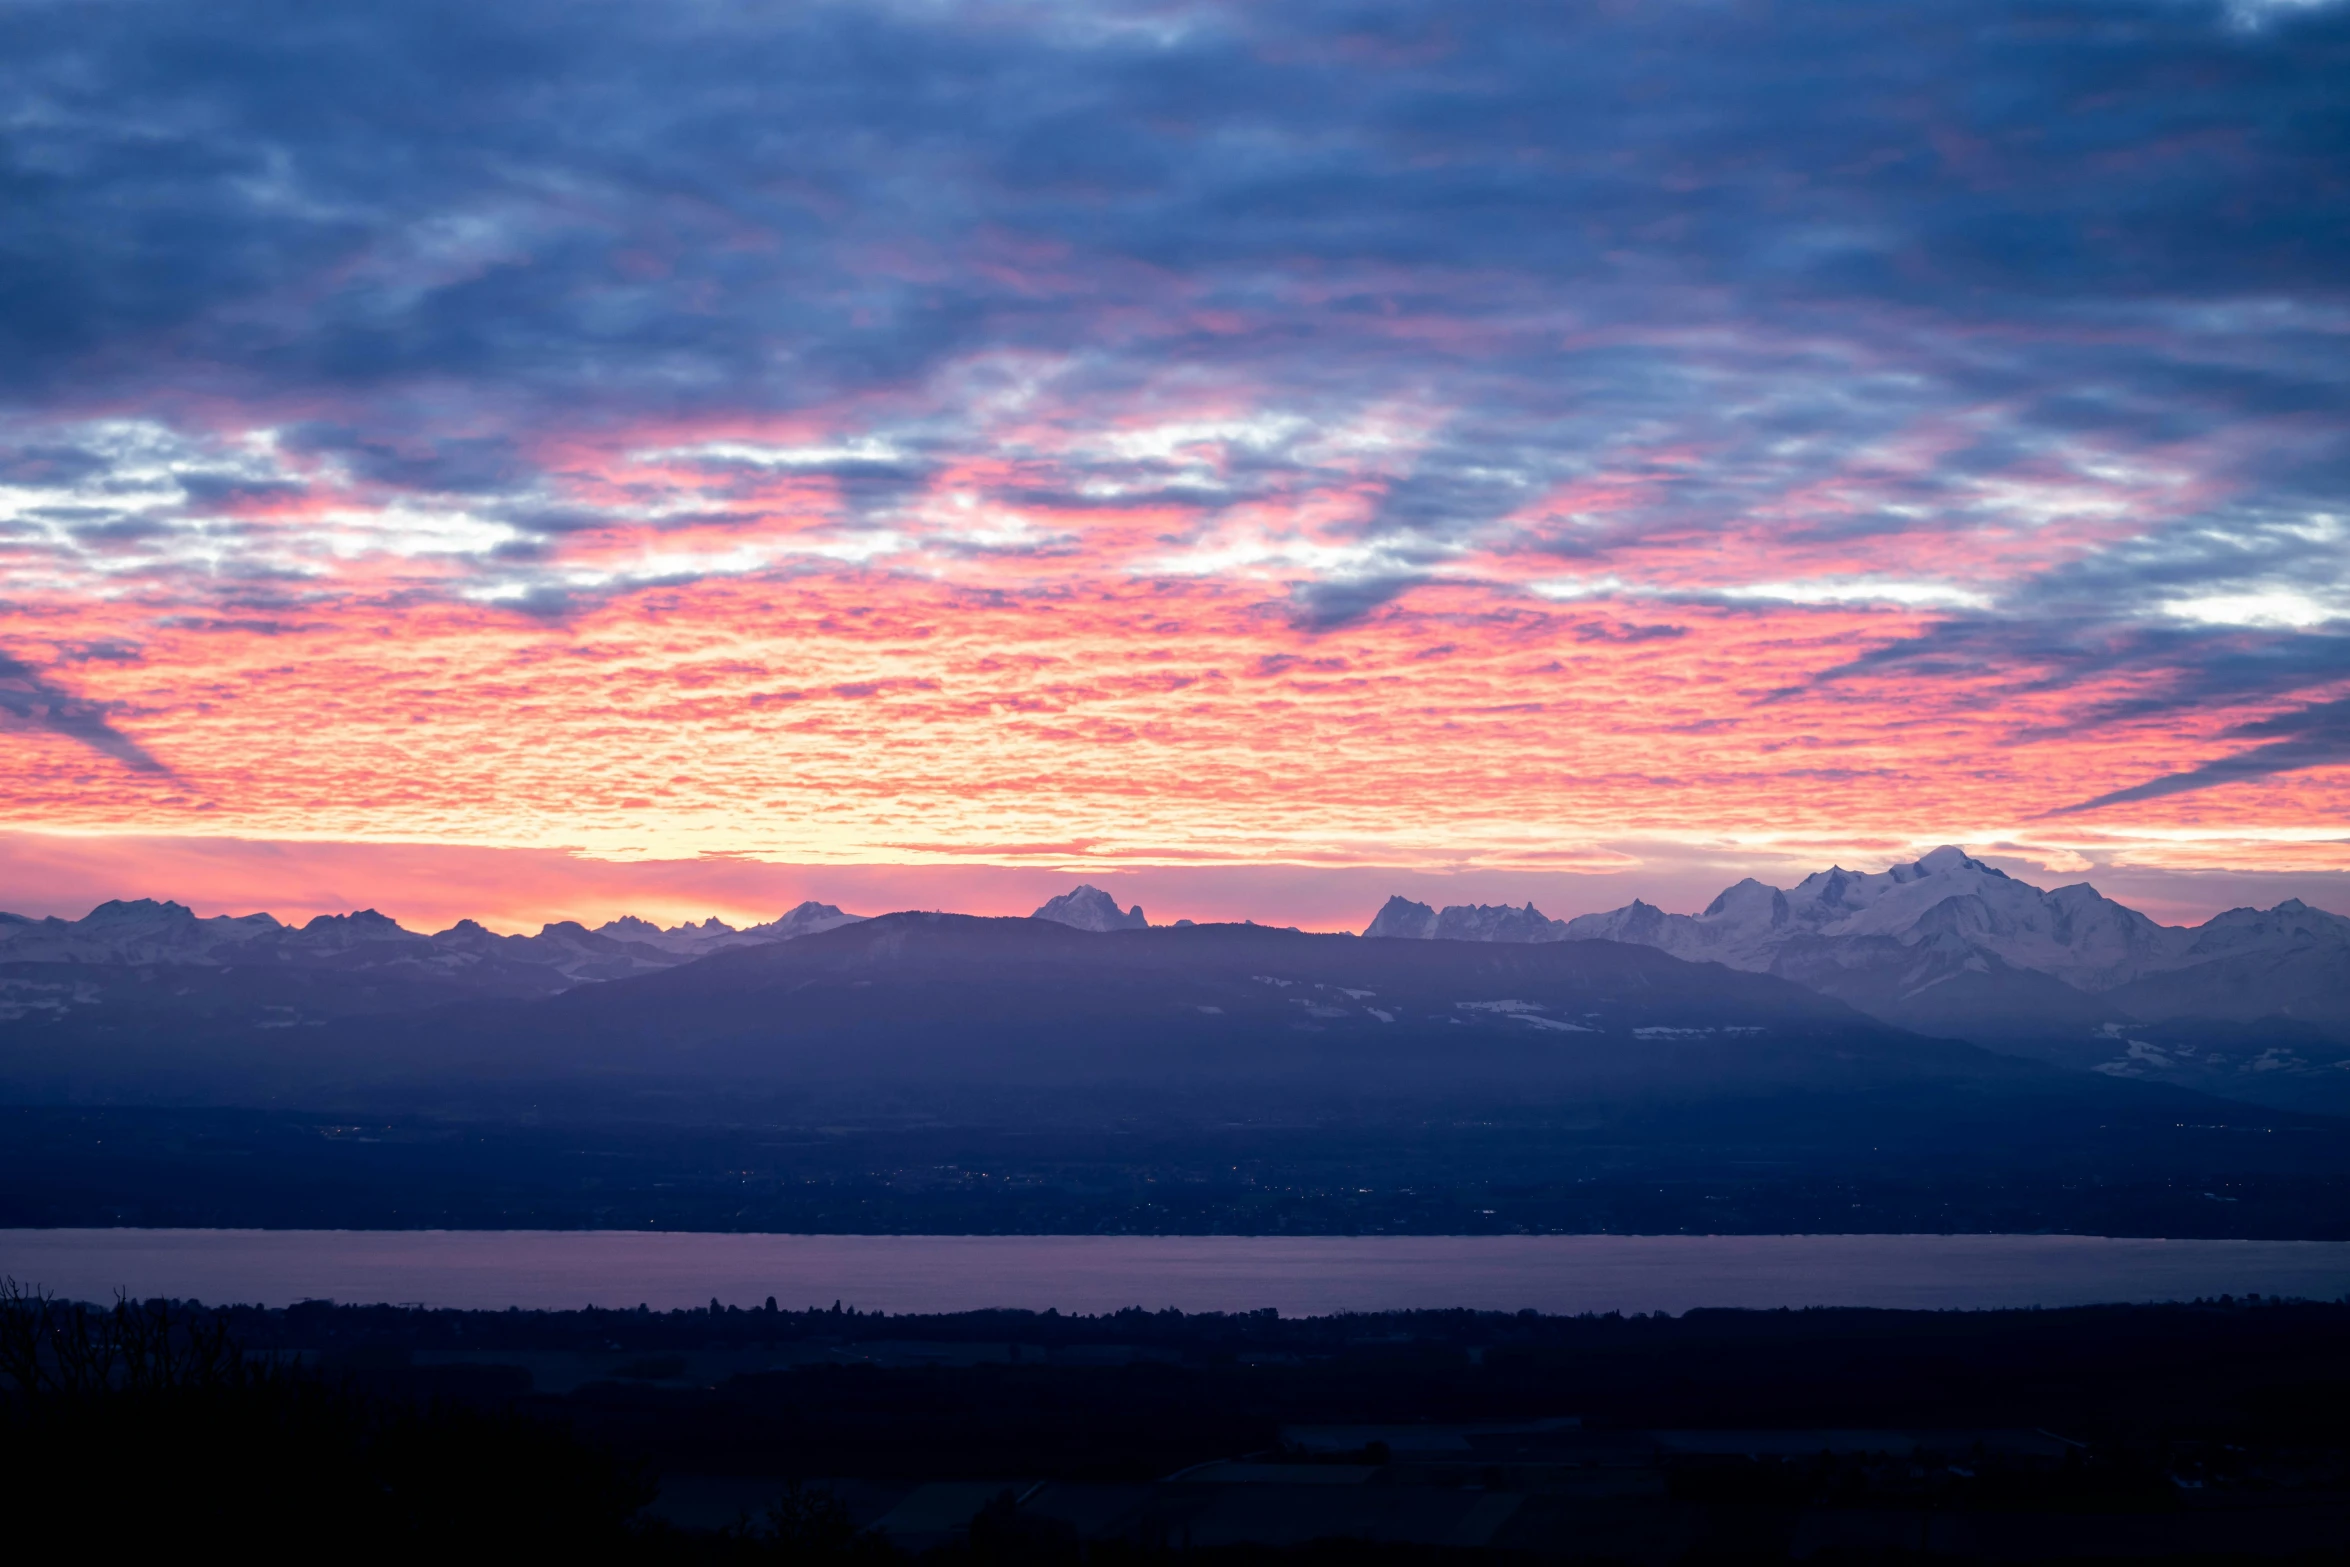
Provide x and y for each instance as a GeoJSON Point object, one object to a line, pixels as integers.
{"type": "Point", "coordinates": [145, 1429]}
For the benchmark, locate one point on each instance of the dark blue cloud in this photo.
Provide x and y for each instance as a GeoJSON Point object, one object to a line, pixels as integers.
{"type": "Point", "coordinates": [434, 463]}
{"type": "Point", "coordinates": [1326, 606]}
{"type": "Point", "coordinates": [1718, 249]}
{"type": "Point", "coordinates": [49, 465]}
{"type": "Point", "coordinates": [2315, 736]}
{"type": "Point", "coordinates": [721, 204]}
{"type": "Point", "coordinates": [31, 699]}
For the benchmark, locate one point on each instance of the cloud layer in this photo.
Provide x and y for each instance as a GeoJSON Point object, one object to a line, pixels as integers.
{"type": "Point", "coordinates": [1346, 433]}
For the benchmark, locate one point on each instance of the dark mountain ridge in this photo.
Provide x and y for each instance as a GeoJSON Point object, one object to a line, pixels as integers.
{"type": "Point", "coordinates": [939, 1003]}
{"type": "Point", "coordinates": [2253, 1004]}
{"type": "Point", "coordinates": [947, 996]}
{"type": "Point", "coordinates": [934, 1071]}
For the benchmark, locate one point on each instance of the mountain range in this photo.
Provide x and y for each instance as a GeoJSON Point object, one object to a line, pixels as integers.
{"type": "Point", "coordinates": [918, 1017]}
{"type": "Point", "coordinates": [938, 1071]}
{"type": "Point", "coordinates": [143, 933]}
{"type": "Point", "coordinates": [2252, 1004]}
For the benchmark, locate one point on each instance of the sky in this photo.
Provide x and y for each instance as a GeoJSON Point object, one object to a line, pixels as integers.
{"type": "Point", "coordinates": [538, 459]}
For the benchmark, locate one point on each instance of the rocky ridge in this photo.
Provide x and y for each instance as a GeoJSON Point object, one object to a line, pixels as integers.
{"type": "Point", "coordinates": [1952, 946]}
{"type": "Point", "coordinates": [1946, 898]}
{"type": "Point", "coordinates": [1087, 907]}
{"type": "Point", "coordinates": [145, 932]}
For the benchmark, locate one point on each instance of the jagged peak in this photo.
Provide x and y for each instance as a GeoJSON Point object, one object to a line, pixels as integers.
{"type": "Point", "coordinates": [138, 908]}
{"type": "Point", "coordinates": [1489, 922]}
{"type": "Point", "coordinates": [808, 918]}
{"type": "Point", "coordinates": [369, 920]}
{"type": "Point", "coordinates": [1485, 908]}
{"type": "Point", "coordinates": [1728, 895]}
{"type": "Point", "coordinates": [1950, 857]}
{"type": "Point", "coordinates": [1401, 917]}
{"type": "Point", "coordinates": [1087, 907]}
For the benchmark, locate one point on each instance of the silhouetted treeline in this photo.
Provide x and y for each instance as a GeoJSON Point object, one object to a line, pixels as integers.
{"type": "Point", "coordinates": [167, 1426]}
{"type": "Point", "coordinates": [147, 1429]}
{"type": "Point", "coordinates": [832, 1383]}
{"type": "Point", "coordinates": [2244, 1321]}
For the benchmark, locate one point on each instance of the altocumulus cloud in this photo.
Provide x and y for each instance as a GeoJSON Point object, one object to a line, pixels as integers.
{"type": "Point", "coordinates": [2022, 323]}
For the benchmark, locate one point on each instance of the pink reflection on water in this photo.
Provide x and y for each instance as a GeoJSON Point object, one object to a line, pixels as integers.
{"type": "Point", "coordinates": [1300, 1276]}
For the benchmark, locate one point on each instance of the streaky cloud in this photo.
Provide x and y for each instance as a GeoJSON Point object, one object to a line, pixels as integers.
{"type": "Point", "coordinates": [34, 701]}
{"type": "Point", "coordinates": [2316, 736]}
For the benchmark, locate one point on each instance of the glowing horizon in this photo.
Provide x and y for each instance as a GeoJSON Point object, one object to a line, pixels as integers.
{"type": "Point", "coordinates": [431, 886]}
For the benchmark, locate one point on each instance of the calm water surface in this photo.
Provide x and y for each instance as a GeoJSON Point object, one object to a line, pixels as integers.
{"type": "Point", "coordinates": [1300, 1276]}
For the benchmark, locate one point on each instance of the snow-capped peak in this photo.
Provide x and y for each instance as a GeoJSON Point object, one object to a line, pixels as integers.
{"type": "Point", "coordinates": [807, 919]}
{"type": "Point", "coordinates": [2074, 933]}
{"type": "Point", "coordinates": [1090, 908]}
{"type": "Point", "coordinates": [1946, 901]}
{"type": "Point", "coordinates": [143, 930]}
{"type": "Point", "coordinates": [1400, 918]}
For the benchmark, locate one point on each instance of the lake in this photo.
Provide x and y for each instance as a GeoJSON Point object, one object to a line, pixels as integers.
{"type": "Point", "coordinates": [1074, 1273]}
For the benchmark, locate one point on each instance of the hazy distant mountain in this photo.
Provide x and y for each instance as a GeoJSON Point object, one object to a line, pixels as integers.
{"type": "Point", "coordinates": [686, 941]}
{"type": "Point", "coordinates": [144, 931]}
{"type": "Point", "coordinates": [130, 969]}
{"type": "Point", "coordinates": [1949, 945]}
{"type": "Point", "coordinates": [1401, 917]}
{"type": "Point", "coordinates": [2073, 933]}
{"type": "Point", "coordinates": [1090, 908]}
{"type": "Point", "coordinates": [2252, 1003]}
{"type": "Point", "coordinates": [804, 920]}
{"type": "Point", "coordinates": [694, 941]}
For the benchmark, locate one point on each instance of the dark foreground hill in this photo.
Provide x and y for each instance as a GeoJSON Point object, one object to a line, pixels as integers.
{"type": "Point", "coordinates": [930, 999]}
{"type": "Point", "coordinates": [931, 1004]}
{"type": "Point", "coordinates": [940, 1073]}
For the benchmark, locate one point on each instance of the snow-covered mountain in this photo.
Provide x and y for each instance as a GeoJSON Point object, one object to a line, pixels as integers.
{"type": "Point", "coordinates": [1946, 900]}
{"type": "Point", "coordinates": [694, 941]}
{"type": "Point", "coordinates": [805, 920]}
{"type": "Point", "coordinates": [1090, 908]}
{"type": "Point", "coordinates": [1464, 922]}
{"type": "Point", "coordinates": [687, 941]}
{"type": "Point", "coordinates": [2253, 1002]}
{"type": "Point", "coordinates": [2074, 933]}
{"type": "Point", "coordinates": [1950, 945]}
{"type": "Point", "coordinates": [467, 958]}
{"type": "Point", "coordinates": [143, 932]}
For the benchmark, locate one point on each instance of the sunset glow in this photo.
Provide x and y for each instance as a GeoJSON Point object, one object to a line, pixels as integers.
{"type": "Point", "coordinates": [880, 458]}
